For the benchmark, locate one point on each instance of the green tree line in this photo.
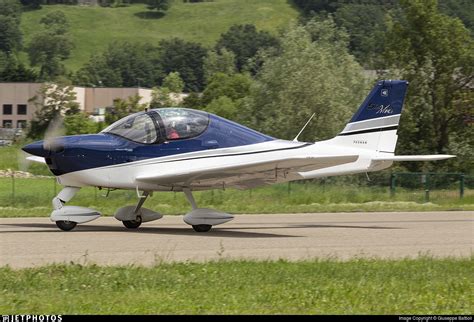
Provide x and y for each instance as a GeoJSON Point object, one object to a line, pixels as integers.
{"type": "Point", "coordinates": [274, 83]}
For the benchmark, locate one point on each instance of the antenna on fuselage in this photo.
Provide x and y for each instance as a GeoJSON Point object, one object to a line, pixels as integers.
{"type": "Point", "coordinates": [296, 138]}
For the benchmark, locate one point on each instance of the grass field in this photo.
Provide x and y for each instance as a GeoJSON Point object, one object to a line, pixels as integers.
{"type": "Point", "coordinates": [12, 157]}
{"type": "Point", "coordinates": [93, 28]}
{"type": "Point", "coordinates": [32, 197]}
{"type": "Point", "coordinates": [360, 286]}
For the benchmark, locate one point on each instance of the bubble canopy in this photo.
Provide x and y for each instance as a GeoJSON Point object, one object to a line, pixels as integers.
{"type": "Point", "coordinates": [159, 125]}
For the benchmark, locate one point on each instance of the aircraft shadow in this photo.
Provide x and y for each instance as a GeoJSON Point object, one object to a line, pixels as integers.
{"type": "Point", "coordinates": [291, 226]}
{"type": "Point", "coordinates": [186, 231]}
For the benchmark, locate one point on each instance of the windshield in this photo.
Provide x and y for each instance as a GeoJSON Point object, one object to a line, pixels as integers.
{"type": "Point", "coordinates": [167, 123]}
{"type": "Point", "coordinates": [181, 123]}
{"type": "Point", "coordinates": [136, 127]}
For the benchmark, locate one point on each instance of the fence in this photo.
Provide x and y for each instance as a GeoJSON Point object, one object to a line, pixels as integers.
{"type": "Point", "coordinates": [429, 181]}
{"type": "Point", "coordinates": [397, 186]}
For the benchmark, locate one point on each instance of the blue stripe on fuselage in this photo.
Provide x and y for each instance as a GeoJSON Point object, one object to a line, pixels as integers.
{"type": "Point", "coordinates": [84, 152]}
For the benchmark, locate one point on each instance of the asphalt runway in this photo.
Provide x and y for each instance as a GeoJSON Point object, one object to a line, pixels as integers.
{"type": "Point", "coordinates": [27, 242]}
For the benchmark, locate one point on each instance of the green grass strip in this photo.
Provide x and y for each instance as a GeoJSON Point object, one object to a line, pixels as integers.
{"type": "Point", "coordinates": [360, 286]}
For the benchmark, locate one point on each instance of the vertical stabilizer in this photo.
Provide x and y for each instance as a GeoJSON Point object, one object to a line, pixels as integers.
{"type": "Point", "coordinates": [374, 125]}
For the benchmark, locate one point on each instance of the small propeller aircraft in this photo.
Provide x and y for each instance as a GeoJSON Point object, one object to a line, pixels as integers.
{"type": "Point", "coordinates": [180, 149]}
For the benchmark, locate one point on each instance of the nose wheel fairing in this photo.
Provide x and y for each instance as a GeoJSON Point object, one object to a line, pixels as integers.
{"type": "Point", "coordinates": [75, 214]}
{"type": "Point", "coordinates": [66, 217]}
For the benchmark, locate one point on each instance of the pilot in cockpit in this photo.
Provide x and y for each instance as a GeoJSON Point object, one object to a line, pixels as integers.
{"type": "Point", "coordinates": [171, 131]}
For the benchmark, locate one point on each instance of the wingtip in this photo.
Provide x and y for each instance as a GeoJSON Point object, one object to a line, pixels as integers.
{"type": "Point", "coordinates": [36, 159]}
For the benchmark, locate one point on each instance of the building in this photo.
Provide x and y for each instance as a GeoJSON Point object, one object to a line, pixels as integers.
{"type": "Point", "coordinates": [16, 110]}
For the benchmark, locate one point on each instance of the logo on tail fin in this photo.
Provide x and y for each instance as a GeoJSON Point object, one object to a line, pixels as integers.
{"type": "Point", "coordinates": [384, 109]}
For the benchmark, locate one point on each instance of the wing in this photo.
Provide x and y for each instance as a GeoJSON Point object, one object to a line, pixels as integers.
{"type": "Point", "coordinates": [36, 159]}
{"type": "Point", "coordinates": [243, 175]}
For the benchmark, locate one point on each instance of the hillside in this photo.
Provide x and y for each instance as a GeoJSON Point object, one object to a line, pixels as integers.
{"type": "Point", "coordinates": [93, 28]}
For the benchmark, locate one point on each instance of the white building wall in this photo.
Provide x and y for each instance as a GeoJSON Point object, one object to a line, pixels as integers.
{"type": "Point", "coordinates": [80, 97]}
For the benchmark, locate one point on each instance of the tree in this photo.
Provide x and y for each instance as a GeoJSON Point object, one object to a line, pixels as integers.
{"type": "Point", "coordinates": [222, 61]}
{"type": "Point", "coordinates": [244, 41]}
{"type": "Point", "coordinates": [79, 123]}
{"type": "Point", "coordinates": [310, 6]}
{"type": "Point", "coordinates": [56, 21]}
{"type": "Point", "coordinates": [51, 46]}
{"type": "Point", "coordinates": [10, 34]}
{"type": "Point", "coordinates": [11, 8]}
{"type": "Point", "coordinates": [225, 107]}
{"type": "Point", "coordinates": [98, 72]}
{"type": "Point", "coordinates": [224, 95]}
{"type": "Point", "coordinates": [193, 100]}
{"type": "Point", "coordinates": [439, 69]}
{"type": "Point", "coordinates": [187, 59]}
{"type": "Point", "coordinates": [122, 108]}
{"type": "Point", "coordinates": [366, 27]}
{"type": "Point", "coordinates": [11, 70]}
{"type": "Point", "coordinates": [161, 97]}
{"type": "Point", "coordinates": [159, 5]}
{"type": "Point", "coordinates": [234, 87]}
{"type": "Point", "coordinates": [314, 73]}
{"type": "Point", "coordinates": [173, 82]}
{"type": "Point", "coordinates": [48, 50]}
{"type": "Point", "coordinates": [32, 4]}
{"type": "Point", "coordinates": [122, 64]}
{"type": "Point", "coordinates": [463, 9]}
{"type": "Point", "coordinates": [52, 102]}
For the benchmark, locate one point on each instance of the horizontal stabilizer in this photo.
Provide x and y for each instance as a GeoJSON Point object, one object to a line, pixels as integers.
{"type": "Point", "coordinates": [36, 159]}
{"type": "Point", "coordinates": [433, 157]}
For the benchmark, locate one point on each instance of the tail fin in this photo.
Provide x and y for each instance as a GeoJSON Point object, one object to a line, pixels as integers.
{"type": "Point", "coordinates": [374, 125]}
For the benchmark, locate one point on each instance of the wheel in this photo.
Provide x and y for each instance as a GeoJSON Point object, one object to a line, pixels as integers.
{"type": "Point", "coordinates": [66, 225]}
{"type": "Point", "coordinates": [202, 228]}
{"type": "Point", "coordinates": [133, 224]}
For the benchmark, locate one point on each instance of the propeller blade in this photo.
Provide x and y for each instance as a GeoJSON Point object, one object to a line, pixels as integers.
{"type": "Point", "coordinates": [54, 132]}
{"type": "Point", "coordinates": [23, 162]}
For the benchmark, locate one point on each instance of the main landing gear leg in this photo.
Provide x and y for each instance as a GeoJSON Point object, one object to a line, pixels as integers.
{"type": "Point", "coordinates": [67, 217]}
{"type": "Point", "coordinates": [202, 219]}
{"type": "Point", "coordinates": [135, 223]}
{"type": "Point", "coordinates": [133, 216]}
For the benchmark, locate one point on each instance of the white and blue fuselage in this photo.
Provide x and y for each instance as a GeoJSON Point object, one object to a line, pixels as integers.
{"type": "Point", "coordinates": [178, 149]}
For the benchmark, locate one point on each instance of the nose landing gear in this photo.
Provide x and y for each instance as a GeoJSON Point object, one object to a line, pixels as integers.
{"type": "Point", "coordinates": [67, 217]}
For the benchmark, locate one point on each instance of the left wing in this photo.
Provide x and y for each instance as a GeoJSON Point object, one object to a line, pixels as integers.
{"type": "Point", "coordinates": [243, 175]}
